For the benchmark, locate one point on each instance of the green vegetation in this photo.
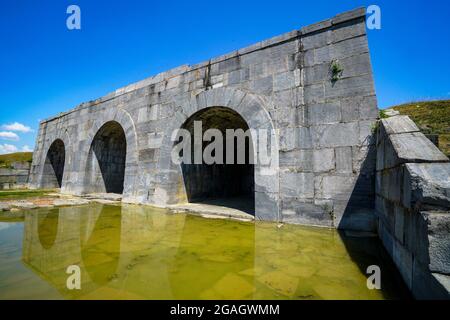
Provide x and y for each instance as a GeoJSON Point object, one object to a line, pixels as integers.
{"type": "Point", "coordinates": [383, 114]}
{"type": "Point", "coordinates": [432, 117]}
{"type": "Point", "coordinates": [336, 71]}
{"type": "Point", "coordinates": [7, 159]}
{"type": "Point", "coordinates": [22, 193]}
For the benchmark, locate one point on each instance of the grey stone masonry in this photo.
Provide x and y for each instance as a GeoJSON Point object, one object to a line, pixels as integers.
{"type": "Point", "coordinates": [324, 172]}
{"type": "Point", "coordinates": [15, 177]}
{"type": "Point", "coordinates": [413, 206]}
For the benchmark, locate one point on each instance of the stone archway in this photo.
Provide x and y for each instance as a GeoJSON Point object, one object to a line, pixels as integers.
{"type": "Point", "coordinates": [228, 178]}
{"type": "Point", "coordinates": [125, 121]}
{"type": "Point", "coordinates": [169, 188]}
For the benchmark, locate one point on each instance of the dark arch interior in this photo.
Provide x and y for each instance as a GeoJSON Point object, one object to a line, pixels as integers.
{"type": "Point", "coordinates": [54, 165]}
{"type": "Point", "coordinates": [106, 160]}
{"type": "Point", "coordinates": [230, 185]}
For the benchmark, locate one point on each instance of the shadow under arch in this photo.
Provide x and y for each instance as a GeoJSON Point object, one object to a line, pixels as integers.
{"type": "Point", "coordinates": [53, 171]}
{"type": "Point", "coordinates": [221, 183]}
{"type": "Point", "coordinates": [105, 168]}
{"type": "Point", "coordinates": [100, 236]}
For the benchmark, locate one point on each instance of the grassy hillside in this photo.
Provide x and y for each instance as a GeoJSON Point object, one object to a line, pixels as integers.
{"type": "Point", "coordinates": [432, 117]}
{"type": "Point", "coordinates": [7, 159]}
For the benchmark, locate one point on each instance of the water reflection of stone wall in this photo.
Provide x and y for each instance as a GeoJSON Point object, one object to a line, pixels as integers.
{"type": "Point", "coordinates": [129, 253]}
{"type": "Point", "coordinates": [137, 252]}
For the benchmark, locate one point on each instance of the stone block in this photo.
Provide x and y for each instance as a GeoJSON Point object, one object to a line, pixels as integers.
{"type": "Point", "coordinates": [302, 160]}
{"type": "Point", "coordinates": [288, 139]}
{"type": "Point", "coordinates": [304, 137]}
{"type": "Point", "coordinates": [349, 15]}
{"type": "Point", "coordinates": [266, 206]}
{"type": "Point", "coordinates": [266, 181]}
{"type": "Point", "coordinates": [368, 107]}
{"type": "Point", "coordinates": [390, 184]}
{"type": "Point", "coordinates": [349, 47]}
{"type": "Point", "coordinates": [356, 65]}
{"type": "Point", "coordinates": [438, 223]}
{"type": "Point", "coordinates": [308, 58]}
{"type": "Point", "coordinates": [229, 65]}
{"type": "Point", "coordinates": [344, 160]}
{"type": "Point", "coordinates": [305, 212]}
{"type": "Point", "coordinates": [323, 55]}
{"type": "Point", "coordinates": [324, 113]}
{"type": "Point", "coordinates": [314, 93]}
{"type": "Point", "coordinates": [323, 160]}
{"type": "Point", "coordinates": [357, 219]}
{"type": "Point", "coordinates": [349, 87]}
{"type": "Point", "coordinates": [297, 184]}
{"type": "Point", "coordinates": [316, 74]}
{"type": "Point", "coordinates": [263, 85]}
{"type": "Point", "coordinates": [313, 30]}
{"type": "Point", "coordinates": [399, 124]}
{"type": "Point", "coordinates": [334, 187]}
{"type": "Point", "coordinates": [348, 30]}
{"type": "Point", "coordinates": [426, 184]}
{"type": "Point", "coordinates": [283, 81]}
{"type": "Point", "coordinates": [410, 147]}
{"type": "Point", "coordinates": [335, 135]}
{"type": "Point", "coordinates": [399, 221]}
{"type": "Point", "coordinates": [386, 237]}
{"type": "Point", "coordinates": [403, 259]}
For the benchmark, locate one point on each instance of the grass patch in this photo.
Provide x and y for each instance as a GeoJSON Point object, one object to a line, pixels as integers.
{"type": "Point", "coordinates": [7, 159]}
{"type": "Point", "coordinates": [432, 117]}
{"type": "Point", "coordinates": [23, 193]}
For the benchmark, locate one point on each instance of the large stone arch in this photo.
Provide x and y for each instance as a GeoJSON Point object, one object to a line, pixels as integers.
{"type": "Point", "coordinates": [124, 119]}
{"type": "Point", "coordinates": [253, 109]}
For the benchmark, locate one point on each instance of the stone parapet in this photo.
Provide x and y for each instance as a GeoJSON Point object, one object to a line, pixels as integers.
{"type": "Point", "coordinates": [413, 206]}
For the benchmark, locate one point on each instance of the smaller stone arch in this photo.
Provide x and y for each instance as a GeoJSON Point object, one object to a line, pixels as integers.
{"type": "Point", "coordinates": [123, 120]}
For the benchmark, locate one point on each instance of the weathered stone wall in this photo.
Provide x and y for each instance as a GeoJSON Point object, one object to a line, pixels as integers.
{"type": "Point", "coordinates": [413, 206]}
{"type": "Point", "coordinates": [324, 173]}
{"type": "Point", "coordinates": [15, 177]}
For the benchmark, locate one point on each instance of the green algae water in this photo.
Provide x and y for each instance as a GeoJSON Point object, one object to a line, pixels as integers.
{"type": "Point", "coordinates": [137, 252]}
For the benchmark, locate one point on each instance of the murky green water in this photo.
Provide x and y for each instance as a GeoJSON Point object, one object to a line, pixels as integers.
{"type": "Point", "coordinates": [135, 252]}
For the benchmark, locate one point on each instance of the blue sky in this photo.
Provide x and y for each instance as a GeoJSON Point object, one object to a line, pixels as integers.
{"type": "Point", "coordinates": [46, 68]}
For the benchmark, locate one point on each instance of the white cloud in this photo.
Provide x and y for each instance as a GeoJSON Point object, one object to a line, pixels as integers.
{"type": "Point", "coordinates": [16, 126]}
{"type": "Point", "coordinates": [8, 135]}
{"type": "Point", "coordinates": [26, 148]}
{"type": "Point", "coordinates": [7, 148]}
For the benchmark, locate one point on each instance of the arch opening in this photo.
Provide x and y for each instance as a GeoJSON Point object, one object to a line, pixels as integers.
{"type": "Point", "coordinates": [105, 170]}
{"type": "Point", "coordinates": [225, 184]}
{"type": "Point", "coordinates": [54, 165]}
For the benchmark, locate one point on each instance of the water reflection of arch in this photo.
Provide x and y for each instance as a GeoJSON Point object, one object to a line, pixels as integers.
{"type": "Point", "coordinates": [73, 242]}
{"type": "Point", "coordinates": [100, 235]}
{"type": "Point", "coordinates": [150, 238]}
{"type": "Point", "coordinates": [47, 225]}
{"type": "Point", "coordinates": [227, 274]}
{"type": "Point", "coordinates": [49, 251]}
